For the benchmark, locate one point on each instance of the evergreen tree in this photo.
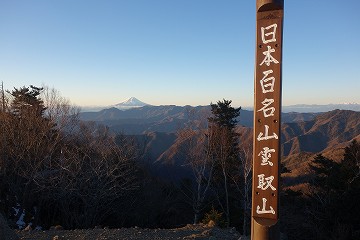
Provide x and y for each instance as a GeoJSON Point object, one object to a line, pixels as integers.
{"type": "Point", "coordinates": [222, 123]}
{"type": "Point", "coordinates": [26, 100]}
{"type": "Point", "coordinates": [326, 174]}
{"type": "Point", "coordinates": [351, 165]}
{"type": "Point", "coordinates": [223, 114]}
{"type": "Point", "coordinates": [334, 196]}
{"type": "Point", "coordinates": [349, 210]}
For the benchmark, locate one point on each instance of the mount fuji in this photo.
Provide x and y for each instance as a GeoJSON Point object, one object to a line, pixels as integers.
{"type": "Point", "coordinates": [130, 103]}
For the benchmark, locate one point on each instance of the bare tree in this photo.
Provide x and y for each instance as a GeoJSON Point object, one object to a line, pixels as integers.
{"type": "Point", "coordinates": [201, 164]}
{"type": "Point", "coordinates": [242, 179]}
{"type": "Point", "coordinates": [212, 156]}
{"type": "Point", "coordinates": [3, 98]}
{"type": "Point", "coordinates": [30, 142]}
{"type": "Point", "coordinates": [60, 111]}
{"type": "Point", "coordinates": [191, 144]}
{"type": "Point", "coordinates": [96, 169]}
{"type": "Point", "coordinates": [221, 147]}
{"type": "Point", "coordinates": [50, 156]}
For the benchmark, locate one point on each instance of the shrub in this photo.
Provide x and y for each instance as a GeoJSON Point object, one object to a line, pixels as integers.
{"type": "Point", "coordinates": [215, 216]}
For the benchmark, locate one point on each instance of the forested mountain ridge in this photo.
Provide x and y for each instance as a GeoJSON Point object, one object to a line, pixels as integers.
{"type": "Point", "coordinates": [327, 131]}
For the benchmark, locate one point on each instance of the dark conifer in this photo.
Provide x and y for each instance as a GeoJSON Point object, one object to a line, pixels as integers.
{"type": "Point", "coordinates": [26, 100]}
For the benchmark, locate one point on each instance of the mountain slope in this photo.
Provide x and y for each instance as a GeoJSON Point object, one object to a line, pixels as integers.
{"type": "Point", "coordinates": [326, 131]}
{"type": "Point", "coordinates": [328, 134]}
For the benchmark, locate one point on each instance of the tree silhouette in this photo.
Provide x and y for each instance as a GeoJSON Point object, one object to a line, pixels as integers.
{"type": "Point", "coordinates": [334, 195]}
{"type": "Point", "coordinates": [26, 100]}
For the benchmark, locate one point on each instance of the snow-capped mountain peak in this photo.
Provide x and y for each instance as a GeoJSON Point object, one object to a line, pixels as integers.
{"type": "Point", "coordinates": [132, 102]}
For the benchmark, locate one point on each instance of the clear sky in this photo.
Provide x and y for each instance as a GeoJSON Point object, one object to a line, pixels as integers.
{"type": "Point", "coordinates": [182, 52]}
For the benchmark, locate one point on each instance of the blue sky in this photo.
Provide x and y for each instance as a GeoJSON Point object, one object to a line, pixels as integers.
{"type": "Point", "coordinates": [182, 52]}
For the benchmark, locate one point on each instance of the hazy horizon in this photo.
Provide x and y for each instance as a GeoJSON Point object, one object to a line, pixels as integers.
{"type": "Point", "coordinates": [249, 106]}
{"type": "Point", "coordinates": [285, 108]}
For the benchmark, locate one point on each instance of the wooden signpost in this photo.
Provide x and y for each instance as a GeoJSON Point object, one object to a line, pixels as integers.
{"type": "Point", "coordinates": [267, 120]}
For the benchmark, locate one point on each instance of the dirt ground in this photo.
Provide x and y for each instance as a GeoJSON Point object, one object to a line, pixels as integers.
{"type": "Point", "coordinates": [200, 231]}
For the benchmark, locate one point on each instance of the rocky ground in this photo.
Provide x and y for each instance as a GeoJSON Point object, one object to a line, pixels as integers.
{"type": "Point", "coordinates": [189, 232]}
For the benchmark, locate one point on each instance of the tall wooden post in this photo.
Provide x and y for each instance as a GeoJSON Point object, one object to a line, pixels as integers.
{"type": "Point", "coordinates": [267, 120]}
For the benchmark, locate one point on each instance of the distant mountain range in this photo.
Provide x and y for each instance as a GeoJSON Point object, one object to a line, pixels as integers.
{"type": "Point", "coordinates": [320, 108]}
{"type": "Point", "coordinates": [303, 134]}
{"type": "Point", "coordinates": [169, 118]}
{"type": "Point", "coordinates": [300, 108]}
